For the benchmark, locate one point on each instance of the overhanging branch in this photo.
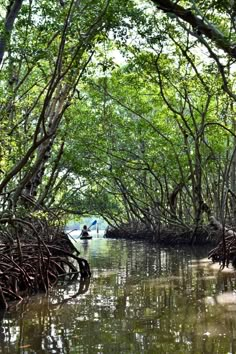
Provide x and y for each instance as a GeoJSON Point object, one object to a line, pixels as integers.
{"type": "Point", "coordinates": [199, 25]}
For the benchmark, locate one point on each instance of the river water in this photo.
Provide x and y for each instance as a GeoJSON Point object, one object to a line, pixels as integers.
{"type": "Point", "coordinates": [140, 299]}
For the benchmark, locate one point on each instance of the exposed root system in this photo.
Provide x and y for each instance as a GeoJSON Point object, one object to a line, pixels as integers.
{"type": "Point", "coordinates": [225, 251]}
{"type": "Point", "coordinates": [171, 236]}
{"type": "Point", "coordinates": [34, 258]}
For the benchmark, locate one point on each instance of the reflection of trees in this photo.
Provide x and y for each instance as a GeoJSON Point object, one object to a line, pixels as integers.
{"type": "Point", "coordinates": [38, 323]}
{"type": "Point", "coordinates": [225, 282]}
{"type": "Point", "coordinates": [141, 299]}
{"type": "Point", "coordinates": [156, 301]}
{"type": "Point", "coordinates": [2, 335]}
{"type": "Point", "coordinates": [172, 305]}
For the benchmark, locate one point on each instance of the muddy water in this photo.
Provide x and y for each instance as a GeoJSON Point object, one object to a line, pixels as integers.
{"type": "Point", "coordinates": [140, 299]}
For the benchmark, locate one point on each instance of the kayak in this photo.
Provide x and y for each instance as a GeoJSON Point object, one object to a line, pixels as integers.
{"type": "Point", "coordinates": [86, 237]}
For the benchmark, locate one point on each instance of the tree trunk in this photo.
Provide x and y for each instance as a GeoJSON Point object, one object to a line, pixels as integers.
{"type": "Point", "coordinates": [13, 10]}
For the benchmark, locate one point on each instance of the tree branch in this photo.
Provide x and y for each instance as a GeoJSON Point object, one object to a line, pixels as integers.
{"type": "Point", "coordinates": [12, 13]}
{"type": "Point", "coordinates": [200, 26]}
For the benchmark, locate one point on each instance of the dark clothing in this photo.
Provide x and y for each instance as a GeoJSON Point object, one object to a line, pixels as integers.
{"type": "Point", "coordinates": [84, 232]}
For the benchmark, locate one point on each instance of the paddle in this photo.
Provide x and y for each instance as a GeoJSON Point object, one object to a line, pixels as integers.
{"type": "Point", "coordinates": [71, 235]}
{"type": "Point", "coordinates": [93, 223]}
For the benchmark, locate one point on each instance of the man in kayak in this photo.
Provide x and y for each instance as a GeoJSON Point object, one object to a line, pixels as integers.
{"type": "Point", "coordinates": [85, 231]}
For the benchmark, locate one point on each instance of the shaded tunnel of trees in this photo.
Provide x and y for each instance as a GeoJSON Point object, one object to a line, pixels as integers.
{"type": "Point", "coordinates": [119, 109]}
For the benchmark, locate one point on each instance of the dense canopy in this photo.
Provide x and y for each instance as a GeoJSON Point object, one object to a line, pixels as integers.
{"type": "Point", "coordinates": [124, 109]}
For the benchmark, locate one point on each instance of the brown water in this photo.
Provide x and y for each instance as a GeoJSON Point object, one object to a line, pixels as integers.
{"type": "Point", "coordinates": [140, 299]}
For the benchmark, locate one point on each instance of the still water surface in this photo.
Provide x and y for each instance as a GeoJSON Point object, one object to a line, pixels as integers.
{"type": "Point", "coordinates": [140, 299]}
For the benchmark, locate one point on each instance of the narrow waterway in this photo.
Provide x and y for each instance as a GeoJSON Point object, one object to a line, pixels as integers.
{"type": "Point", "coordinates": [140, 299]}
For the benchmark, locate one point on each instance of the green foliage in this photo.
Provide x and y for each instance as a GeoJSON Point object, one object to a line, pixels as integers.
{"type": "Point", "coordinates": [144, 136]}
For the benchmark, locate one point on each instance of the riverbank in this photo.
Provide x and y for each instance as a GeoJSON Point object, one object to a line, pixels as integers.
{"type": "Point", "coordinates": [168, 236]}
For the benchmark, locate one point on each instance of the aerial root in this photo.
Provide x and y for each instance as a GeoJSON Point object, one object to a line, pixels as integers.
{"type": "Point", "coordinates": [36, 264]}
{"type": "Point", "coordinates": [225, 251]}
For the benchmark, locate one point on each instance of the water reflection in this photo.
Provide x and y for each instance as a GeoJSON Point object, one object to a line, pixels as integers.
{"type": "Point", "coordinates": [141, 299]}
{"type": "Point", "coordinates": [39, 324]}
